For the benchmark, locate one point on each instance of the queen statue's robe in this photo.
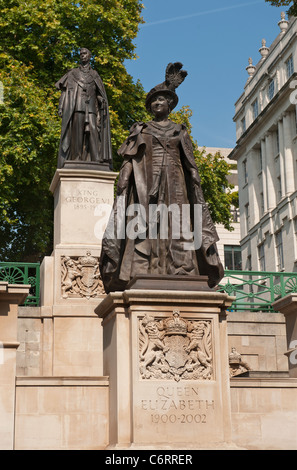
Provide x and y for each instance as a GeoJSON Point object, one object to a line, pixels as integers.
{"type": "Point", "coordinates": [159, 170]}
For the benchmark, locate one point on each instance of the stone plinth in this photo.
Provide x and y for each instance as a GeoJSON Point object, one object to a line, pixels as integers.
{"type": "Point", "coordinates": [166, 354]}
{"type": "Point", "coordinates": [83, 200]}
{"type": "Point", "coordinates": [71, 285]}
{"type": "Point", "coordinates": [288, 306]}
{"type": "Point", "coordinates": [10, 297]}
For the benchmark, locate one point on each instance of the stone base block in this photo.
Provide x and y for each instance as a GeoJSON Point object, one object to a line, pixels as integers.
{"type": "Point", "coordinates": [10, 297]}
{"type": "Point", "coordinates": [166, 354]}
{"type": "Point", "coordinates": [71, 285]}
{"type": "Point", "coordinates": [83, 198]}
{"type": "Point", "coordinates": [61, 413]}
{"type": "Point", "coordinates": [288, 306]}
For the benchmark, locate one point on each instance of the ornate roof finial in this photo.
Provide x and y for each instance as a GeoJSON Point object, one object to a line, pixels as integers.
{"type": "Point", "coordinates": [283, 23]}
{"type": "Point", "coordinates": [250, 68]}
{"type": "Point", "coordinates": [264, 50]}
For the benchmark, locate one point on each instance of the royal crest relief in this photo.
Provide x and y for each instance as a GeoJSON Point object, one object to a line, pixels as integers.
{"type": "Point", "coordinates": [175, 348]}
{"type": "Point", "coordinates": [80, 276]}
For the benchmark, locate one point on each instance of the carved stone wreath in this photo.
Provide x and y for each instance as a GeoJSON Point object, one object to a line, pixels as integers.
{"type": "Point", "coordinates": [175, 348]}
{"type": "Point", "coordinates": [80, 276]}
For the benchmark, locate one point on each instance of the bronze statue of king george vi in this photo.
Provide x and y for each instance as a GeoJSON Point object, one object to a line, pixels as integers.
{"type": "Point", "coordinates": [83, 107]}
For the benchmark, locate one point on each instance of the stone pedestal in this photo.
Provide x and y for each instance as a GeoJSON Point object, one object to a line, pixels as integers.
{"type": "Point", "coordinates": [10, 297]}
{"type": "Point", "coordinates": [166, 354]}
{"type": "Point", "coordinates": [288, 306]}
{"type": "Point", "coordinates": [71, 285]}
{"type": "Point", "coordinates": [83, 198]}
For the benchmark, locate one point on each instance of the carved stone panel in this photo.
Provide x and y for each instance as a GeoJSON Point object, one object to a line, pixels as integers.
{"type": "Point", "coordinates": [175, 348]}
{"type": "Point", "coordinates": [236, 365]}
{"type": "Point", "coordinates": [80, 277]}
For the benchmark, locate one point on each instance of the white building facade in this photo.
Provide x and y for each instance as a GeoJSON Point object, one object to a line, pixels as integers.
{"type": "Point", "coordinates": [266, 155]}
{"type": "Point", "coordinates": [229, 241]}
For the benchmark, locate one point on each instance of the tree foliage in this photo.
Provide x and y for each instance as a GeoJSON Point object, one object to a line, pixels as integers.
{"type": "Point", "coordinates": [39, 42]}
{"type": "Point", "coordinates": [292, 11]}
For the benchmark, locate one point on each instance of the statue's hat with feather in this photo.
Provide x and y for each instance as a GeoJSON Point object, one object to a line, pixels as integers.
{"type": "Point", "coordinates": [174, 76]}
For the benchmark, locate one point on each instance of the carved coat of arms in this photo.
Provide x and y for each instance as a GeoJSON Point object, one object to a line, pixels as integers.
{"type": "Point", "coordinates": [175, 348]}
{"type": "Point", "coordinates": [80, 276]}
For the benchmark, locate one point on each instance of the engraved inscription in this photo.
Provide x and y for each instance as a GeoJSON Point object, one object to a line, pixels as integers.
{"type": "Point", "coordinates": [183, 419]}
{"type": "Point", "coordinates": [175, 348]}
{"type": "Point", "coordinates": [86, 199]}
{"type": "Point", "coordinates": [80, 276]}
{"type": "Point", "coordinates": [178, 405]}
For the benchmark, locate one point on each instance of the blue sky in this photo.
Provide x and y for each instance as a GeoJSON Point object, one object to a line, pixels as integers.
{"type": "Point", "coordinates": [214, 41]}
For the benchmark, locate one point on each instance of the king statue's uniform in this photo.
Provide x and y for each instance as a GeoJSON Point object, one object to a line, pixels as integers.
{"type": "Point", "coordinates": [83, 105]}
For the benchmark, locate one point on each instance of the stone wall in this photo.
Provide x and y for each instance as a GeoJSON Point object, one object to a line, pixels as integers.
{"type": "Point", "coordinates": [61, 413]}
{"type": "Point", "coordinates": [264, 413]}
{"type": "Point", "coordinates": [29, 352]}
{"type": "Point", "coordinates": [70, 411]}
{"type": "Point", "coordinates": [259, 337]}
{"type": "Point", "coordinates": [10, 297]}
{"type": "Point", "coordinates": [62, 345]}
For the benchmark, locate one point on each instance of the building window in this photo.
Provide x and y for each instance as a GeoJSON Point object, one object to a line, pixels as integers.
{"type": "Point", "coordinates": [249, 268]}
{"type": "Point", "coordinates": [279, 250]}
{"type": "Point", "coordinates": [279, 188]}
{"type": "Point", "coordinates": [277, 142]}
{"type": "Point", "coordinates": [261, 204]}
{"type": "Point", "coordinates": [247, 217]}
{"type": "Point", "coordinates": [243, 125]}
{"type": "Point", "coordinates": [245, 173]}
{"type": "Point", "coordinates": [255, 109]}
{"type": "Point", "coordinates": [271, 90]}
{"type": "Point", "coordinates": [235, 214]}
{"type": "Point", "coordinates": [249, 263]}
{"type": "Point", "coordinates": [232, 255]}
{"type": "Point", "coordinates": [260, 160]}
{"type": "Point", "coordinates": [289, 67]}
{"type": "Point", "coordinates": [261, 256]}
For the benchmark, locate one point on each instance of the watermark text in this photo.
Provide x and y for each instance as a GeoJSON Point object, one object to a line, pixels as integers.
{"type": "Point", "coordinates": [178, 222]}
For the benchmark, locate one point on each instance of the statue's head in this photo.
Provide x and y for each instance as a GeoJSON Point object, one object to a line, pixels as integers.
{"type": "Point", "coordinates": [174, 76]}
{"type": "Point", "coordinates": [160, 91]}
{"type": "Point", "coordinates": [85, 55]}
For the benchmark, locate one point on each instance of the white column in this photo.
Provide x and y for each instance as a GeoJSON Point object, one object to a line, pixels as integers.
{"type": "Point", "coordinates": [281, 155]}
{"type": "Point", "coordinates": [264, 174]}
{"type": "Point", "coordinates": [270, 165]}
{"type": "Point", "coordinates": [288, 154]}
{"type": "Point", "coordinates": [253, 202]}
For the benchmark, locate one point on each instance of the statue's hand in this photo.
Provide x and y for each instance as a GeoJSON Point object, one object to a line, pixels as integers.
{"type": "Point", "coordinates": [100, 100]}
{"type": "Point", "coordinates": [122, 185]}
{"type": "Point", "coordinates": [195, 176]}
{"type": "Point", "coordinates": [60, 112]}
{"type": "Point", "coordinates": [124, 177]}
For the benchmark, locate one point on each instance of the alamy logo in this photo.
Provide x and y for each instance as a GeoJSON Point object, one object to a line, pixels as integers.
{"type": "Point", "coordinates": [136, 222]}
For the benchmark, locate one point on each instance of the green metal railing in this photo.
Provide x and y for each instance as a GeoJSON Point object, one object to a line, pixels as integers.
{"type": "Point", "coordinates": [23, 273]}
{"type": "Point", "coordinates": [256, 291]}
